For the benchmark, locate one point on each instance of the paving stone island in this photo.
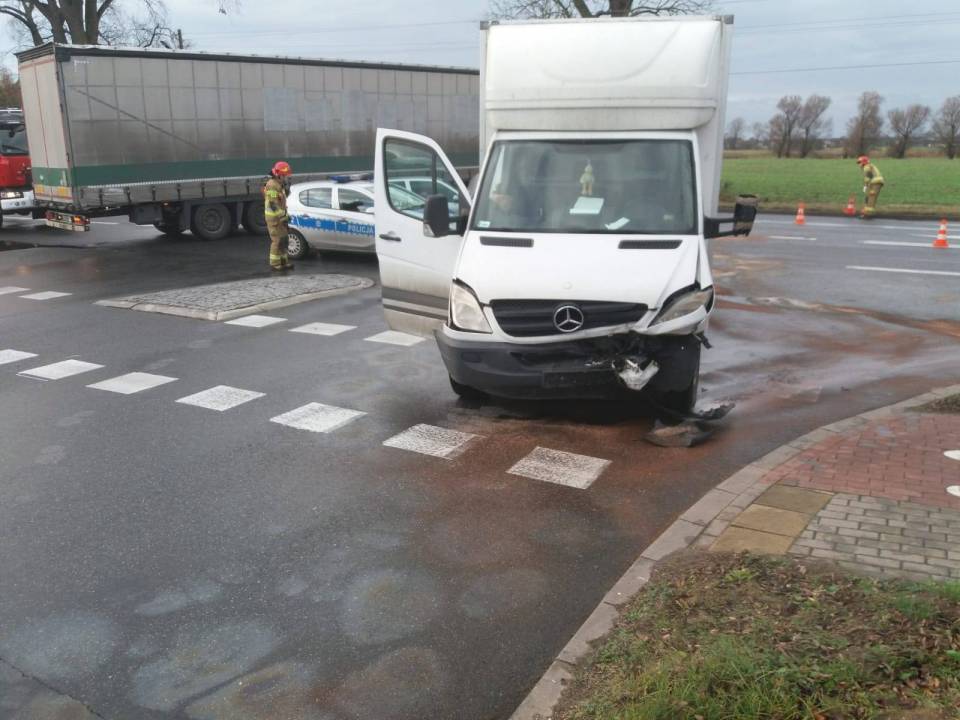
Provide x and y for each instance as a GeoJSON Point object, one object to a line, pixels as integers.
{"type": "Point", "coordinates": [222, 301]}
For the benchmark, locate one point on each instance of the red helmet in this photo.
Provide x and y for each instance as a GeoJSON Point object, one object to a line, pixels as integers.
{"type": "Point", "coordinates": [282, 169]}
{"type": "Point", "coordinates": [863, 160]}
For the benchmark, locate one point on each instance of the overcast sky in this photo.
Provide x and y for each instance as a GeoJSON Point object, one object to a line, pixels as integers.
{"type": "Point", "coordinates": [770, 35]}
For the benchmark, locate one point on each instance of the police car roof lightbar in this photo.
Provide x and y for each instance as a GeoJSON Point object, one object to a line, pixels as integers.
{"type": "Point", "coordinates": [351, 178]}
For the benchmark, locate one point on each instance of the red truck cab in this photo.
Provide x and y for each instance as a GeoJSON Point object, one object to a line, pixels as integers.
{"type": "Point", "coordinates": [16, 190]}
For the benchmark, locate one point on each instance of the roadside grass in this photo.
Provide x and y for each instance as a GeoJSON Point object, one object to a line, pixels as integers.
{"type": "Point", "coordinates": [915, 187]}
{"type": "Point", "coordinates": [740, 637]}
{"type": "Point", "coordinates": [949, 405]}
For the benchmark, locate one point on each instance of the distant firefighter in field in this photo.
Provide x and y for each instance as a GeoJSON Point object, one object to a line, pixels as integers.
{"type": "Point", "coordinates": [275, 212]}
{"type": "Point", "coordinates": [872, 185]}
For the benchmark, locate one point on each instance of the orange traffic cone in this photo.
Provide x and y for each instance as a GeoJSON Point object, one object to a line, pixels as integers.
{"type": "Point", "coordinates": [851, 208]}
{"type": "Point", "coordinates": [941, 241]}
{"type": "Point", "coordinates": [801, 219]}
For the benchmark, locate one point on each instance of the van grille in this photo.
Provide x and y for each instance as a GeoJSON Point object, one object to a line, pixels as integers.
{"type": "Point", "coordinates": [532, 318]}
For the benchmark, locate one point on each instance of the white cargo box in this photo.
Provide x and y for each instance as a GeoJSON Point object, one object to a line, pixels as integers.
{"type": "Point", "coordinates": [610, 74]}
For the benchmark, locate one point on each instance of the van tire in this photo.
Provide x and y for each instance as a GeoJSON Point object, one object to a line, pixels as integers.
{"type": "Point", "coordinates": [253, 220]}
{"type": "Point", "coordinates": [211, 222]}
{"type": "Point", "coordinates": [684, 400]}
{"type": "Point", "coordinates": [297, 247]}
{"type": "Point", "coordinates": [466, 392]}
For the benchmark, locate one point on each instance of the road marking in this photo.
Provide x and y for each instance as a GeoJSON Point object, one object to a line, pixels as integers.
{"type": "Point", "coordinates": [791, 222]}
{"type": "Point", "coordinates": [102, 222]}
{"type": "Point", "coordinates": [904, 270]}
{"type": "Point", "coordinates": [12, 356]}
{"type": "Point", "coordinates": [132, 383]}
{"type": "Point", "coordinates": [953, 454]}
{"type": "Point", "coordinates": [432, 440]}
{"type": "Point", "coordinates": [932, 236]}
{"type": "Point", "coordinates": [10, 289]}
{"type": "Point", "coordinates": [790, 237]}
{"type": "Point", "coordinates": [318, 418]}
{"type": "Point", "coordinates": [562, 468]}
{"type": "Point", "coordinates": [392, 337]}
{"type": "Point", "coordinates": [905, 244]}
{"type": "Point", "coordinates": [255, 321]}
{"type": "Point", "coordinates": [60, 370]}
{"type": "Point", "coordinates": [319, 328]}
{"type": "Point", "coordinates": [48, 295]}
{"type": "Point", "coordinates": [220, 398]}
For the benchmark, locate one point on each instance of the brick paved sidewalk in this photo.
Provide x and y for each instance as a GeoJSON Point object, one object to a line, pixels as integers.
{"type": "Point", "coordinates": [881, 496]}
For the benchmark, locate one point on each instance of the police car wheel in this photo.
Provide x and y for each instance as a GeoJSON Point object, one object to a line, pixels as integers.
{"type": "Point", "coordinates": [297, 246]}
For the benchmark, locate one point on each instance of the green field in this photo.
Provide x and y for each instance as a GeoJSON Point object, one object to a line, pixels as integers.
{"type": "Point", "coordinates": [914, 186]}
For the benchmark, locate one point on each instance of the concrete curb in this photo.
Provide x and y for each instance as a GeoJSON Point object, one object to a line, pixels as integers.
{"type": "Point", "coordinates": [699, 526]}
{"type": "Point", "coordinates": [238, 312]}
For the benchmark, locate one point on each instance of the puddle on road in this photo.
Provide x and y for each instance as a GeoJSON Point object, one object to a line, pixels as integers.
{"type": "Point", "coordinates": [10, 245]}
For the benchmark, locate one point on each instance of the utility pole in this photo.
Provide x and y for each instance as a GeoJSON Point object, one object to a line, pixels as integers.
{"type": "Point", "coordinates": [179, 39]}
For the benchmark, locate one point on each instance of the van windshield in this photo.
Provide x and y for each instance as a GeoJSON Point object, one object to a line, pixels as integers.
{"type": "Point", "coordinates": [13, 141]}
{"type": "Point", "coordinates": [589, 186]}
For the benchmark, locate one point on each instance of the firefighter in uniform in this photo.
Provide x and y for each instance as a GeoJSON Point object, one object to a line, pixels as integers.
{"type": "Point", "coordinates": [872, 185]}
{"type": "Point", "coordinates": [275, 212]}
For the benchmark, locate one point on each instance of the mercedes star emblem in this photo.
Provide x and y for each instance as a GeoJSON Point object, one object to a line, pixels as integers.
{"type": "Point", "coordinates": [568, 318]}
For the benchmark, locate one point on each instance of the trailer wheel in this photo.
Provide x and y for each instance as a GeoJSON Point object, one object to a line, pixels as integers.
{"type": "Point", "coordinates": [211, 222]}
{"type": "Point", "coordinates": [253, 220]}
{"type": "Point", "coordinates": [297, 246]}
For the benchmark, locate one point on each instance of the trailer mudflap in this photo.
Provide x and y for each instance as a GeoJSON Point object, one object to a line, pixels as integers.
{"type": "Point", "coordinates": [67, 221]}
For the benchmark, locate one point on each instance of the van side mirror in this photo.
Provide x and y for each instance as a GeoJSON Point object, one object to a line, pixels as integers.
{"type": "Point", "coordinates": [744, 214]}
{"type": "Point", "coordinates": [436, 216]}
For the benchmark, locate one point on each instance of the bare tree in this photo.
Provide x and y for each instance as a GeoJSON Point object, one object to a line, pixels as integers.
{"type": "Point", "coordinates": [97, 22]}
{"type": "Point", "coordinates": [811, 123]}
{"type": "Point", "coordinates": [595, 8]}
{"type": "Point", "coordinates": [906, 124]}
{"type": "Point", "coordinates": [783, 125]}
{"type": "Point", "coordinates": [946, 126]}
{"type": "Point", "coordinates": [735, 133]}
{"type": "Point", "coordinates": [863, 129]}
{"type": "Point", "coordinates": [9, 89]}
{"type": "Point", "coordinates": [760, 134]}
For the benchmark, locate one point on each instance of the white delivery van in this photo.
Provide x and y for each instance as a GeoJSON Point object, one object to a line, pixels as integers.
{"type": "Point", "coordinates": [580, 265]}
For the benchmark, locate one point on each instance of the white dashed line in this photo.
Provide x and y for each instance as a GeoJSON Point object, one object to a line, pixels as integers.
{"type": "Point", "coordinates": [562, 468]}
{"type": "Point", "coordinates": [431, 440]}
{"type": "Point", "coordinates": [392, 337]}
{"type": "Point", "coordinates": [60, 370]}
{"type": "Point", "coordinates": [48, 295]}
{"type": "Point", "coordinates": [904, 270]}
{"type": "Point", "coordinates": [895, 243]}
{"type": "Point", "coordinates": [256, 321]}
{"type": "Point", "coordinates": [132, 383]}
{"type": "Point", "coordinates": [319, 328]}
{"type": "Point", "coordinates": [317, 418]}
{"type": "Point", "coordinates": [953, 454]}
{"type": "Point", "coordinates": [790, 237]}
{"type": "Point", "coordinates": [220, 398]}
{"type": "Point", "coordinates": [11, 289]}
{"type": "Point", "coordinates": [12, 356]}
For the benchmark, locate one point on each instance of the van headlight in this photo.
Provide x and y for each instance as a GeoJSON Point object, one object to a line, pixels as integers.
{"type": "Point", "coordinates": [465, 311]}
{"type": "Point", "coordinates": [684, 305]}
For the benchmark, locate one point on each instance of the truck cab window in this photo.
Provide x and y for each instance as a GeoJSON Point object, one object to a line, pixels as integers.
{"type": "Point", "coordinates": [589, 186]}
{"type": "Point", "coordinates": [13, 141]}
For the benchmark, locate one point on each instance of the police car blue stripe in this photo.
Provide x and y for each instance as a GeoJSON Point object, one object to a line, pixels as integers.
{"type": "Point", "coordinates": [325, 225]}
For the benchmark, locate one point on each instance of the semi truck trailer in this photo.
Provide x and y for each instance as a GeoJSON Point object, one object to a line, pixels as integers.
{"type": "Point", "coordinates": [183, 140]}
{"type": "Point", "coordinates": [579, 267]}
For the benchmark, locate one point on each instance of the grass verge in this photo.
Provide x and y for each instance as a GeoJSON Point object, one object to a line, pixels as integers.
{"type": "Point", "coordinates": [723, 637]}
{"type": "Point", "coordinates": [915, 187]}
{"type": "Point", "coordinates": [948, 405]}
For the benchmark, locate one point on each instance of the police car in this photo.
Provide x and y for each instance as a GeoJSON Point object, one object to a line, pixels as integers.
{"type": "Point", "coordinates": [337, 215]}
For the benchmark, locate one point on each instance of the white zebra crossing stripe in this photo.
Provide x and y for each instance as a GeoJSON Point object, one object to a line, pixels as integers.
{"type": "Point", "coordinates": [392, 337]}
{"type": "Point", "coordinates": [220, 398]}
{"type": "Point", "coordinates": [317, 418]}
{"type": "Point", "coordinates": [431, 440]}
{"type": "Point", "coordinates": [12, 356]}
{"type": "Point", "coordinates": [132, 383]}
{"type": "Point", "coordinates": [48, 295]}
{"type": "Point", "coordinates": [256, 321]}
{"type": "Point", "coordinates": [11, 289]}
{"type": "Point", "coordinates": [319, 328]}
{"type": "Point", "coordinates": [60, 370]}
{"type": "Point", "coordinates": [562, 468]}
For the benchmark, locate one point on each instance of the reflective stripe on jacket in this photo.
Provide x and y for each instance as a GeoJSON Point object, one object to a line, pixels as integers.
{"type": "Point", "coordinates": [274, 200]}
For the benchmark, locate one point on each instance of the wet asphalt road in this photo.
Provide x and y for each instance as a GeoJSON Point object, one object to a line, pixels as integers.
{"type": "Point", "coordinates": [161, 560]}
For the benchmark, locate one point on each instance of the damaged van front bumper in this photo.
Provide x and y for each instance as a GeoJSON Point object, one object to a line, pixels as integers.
{"type": "Point", "coordinates": [588, 368]}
